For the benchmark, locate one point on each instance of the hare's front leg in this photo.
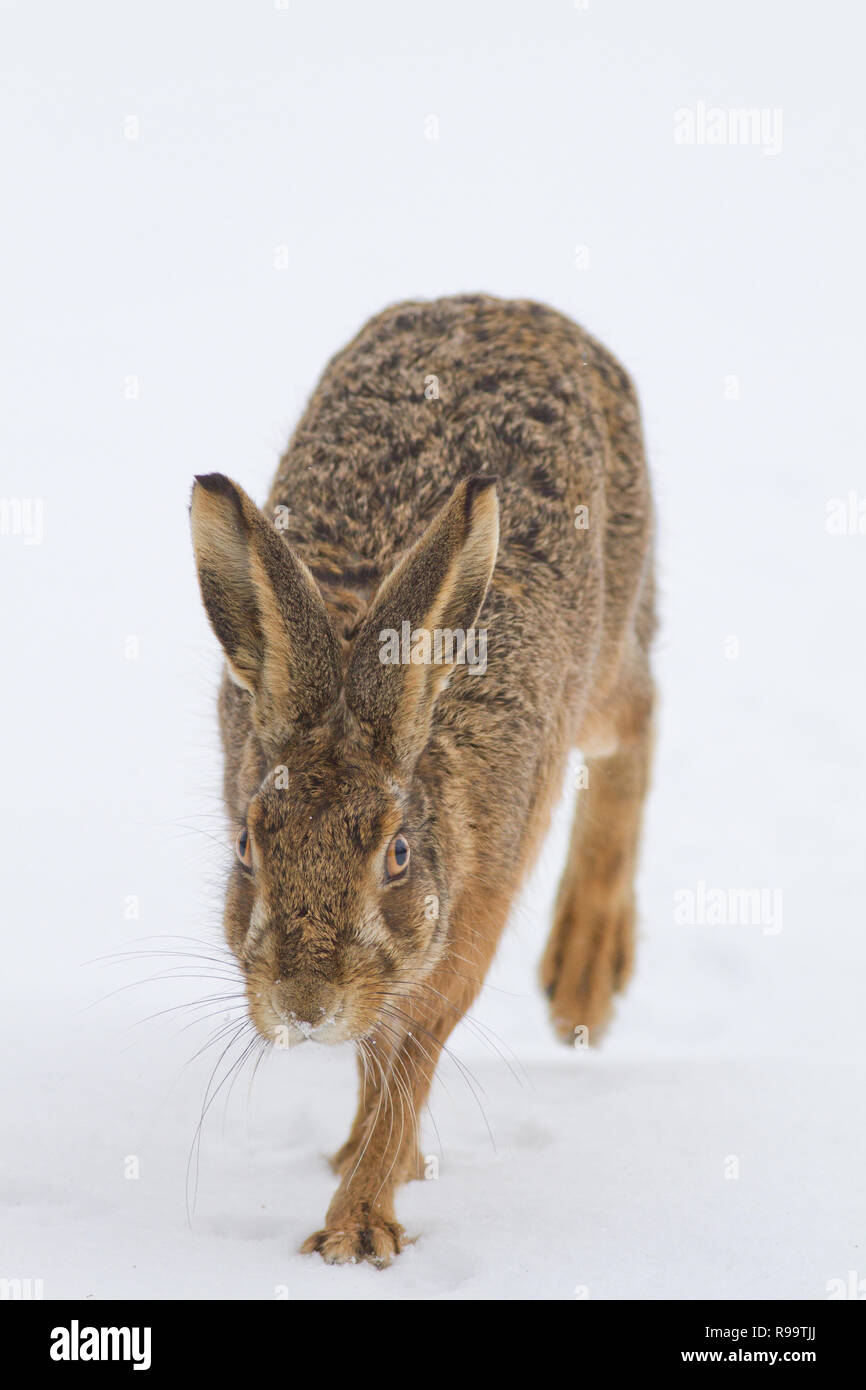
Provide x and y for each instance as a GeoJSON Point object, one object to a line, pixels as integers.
{"type": "Point", "coordinates": [589, 953]}
{"type": "Point", "coordinates": [381, 1151]}
{"type": "Point", "coordinates": [369, 1085]}
{"type": "Point", "coordinates": [369, 1080]}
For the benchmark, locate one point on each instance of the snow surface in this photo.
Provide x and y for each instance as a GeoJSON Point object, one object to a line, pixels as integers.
{"type": "Point", "coordinates": [738, 1048]}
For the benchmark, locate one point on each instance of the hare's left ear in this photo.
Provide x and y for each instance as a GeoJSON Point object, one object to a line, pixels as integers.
{"type": "Point", "coordinates": [438, 587]}
{"type": "Point", "coordinates": [265, 607]}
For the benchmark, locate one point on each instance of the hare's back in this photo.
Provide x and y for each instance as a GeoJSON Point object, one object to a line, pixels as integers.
{"type": "Point", "coordinates": [432, 390]}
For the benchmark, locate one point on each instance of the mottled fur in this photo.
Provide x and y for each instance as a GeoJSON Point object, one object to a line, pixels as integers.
{"type": "Point", "coordinates": [437, 420]}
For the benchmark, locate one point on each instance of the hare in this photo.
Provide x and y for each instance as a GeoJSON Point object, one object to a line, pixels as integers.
{"type": "Point", "coordinates": [469, 468]}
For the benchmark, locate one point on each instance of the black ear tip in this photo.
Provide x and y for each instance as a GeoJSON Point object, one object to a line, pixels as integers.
{"type": "Point", "coordinates": [216, 483]}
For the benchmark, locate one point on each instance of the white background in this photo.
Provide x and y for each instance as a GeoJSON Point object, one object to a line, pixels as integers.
{"type": "Point", "coordinates": [298, 136]}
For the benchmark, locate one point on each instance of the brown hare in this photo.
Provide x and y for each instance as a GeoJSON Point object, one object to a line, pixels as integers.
{"type": "Point", "coordinates": [449, 588]}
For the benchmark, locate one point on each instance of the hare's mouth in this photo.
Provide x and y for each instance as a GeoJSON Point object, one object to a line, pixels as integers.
{"type": "Point", "coordinates": [286, 1026]}
{"type": "Point", "coordinates": [328, 1030]}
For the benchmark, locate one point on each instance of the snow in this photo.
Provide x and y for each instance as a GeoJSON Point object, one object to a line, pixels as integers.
{"type": "Point", "coordinates": [607, 1180]}
{"type": "Point", "coordinates": [715, 1145]}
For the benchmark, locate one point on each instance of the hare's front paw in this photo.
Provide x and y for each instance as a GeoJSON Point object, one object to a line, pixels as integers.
{"type": "Point", "coordinates": [360, 1237]}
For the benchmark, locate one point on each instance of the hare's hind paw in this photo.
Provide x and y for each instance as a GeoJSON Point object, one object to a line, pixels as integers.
{"type": "Point", "coordinates": [363, 1239]}
{"type": "Point", "coordinates": [587, 963]}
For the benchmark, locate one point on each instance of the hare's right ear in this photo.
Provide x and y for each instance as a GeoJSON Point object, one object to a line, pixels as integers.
{"type": "Point", "coordinates": [265, 607]}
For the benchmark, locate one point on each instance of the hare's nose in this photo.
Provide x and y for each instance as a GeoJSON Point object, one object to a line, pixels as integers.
{"type": "Point", "coordinates": [307, 1001]}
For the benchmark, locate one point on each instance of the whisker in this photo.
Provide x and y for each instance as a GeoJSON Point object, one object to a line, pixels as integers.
{"type": "Point", "coordinates": [209, 1098]}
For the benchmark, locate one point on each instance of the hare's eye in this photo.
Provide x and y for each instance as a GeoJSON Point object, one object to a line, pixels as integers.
{"type": "Point", "coordinates": [397, 857]}
{"type": "Point", "coordinates": [244, 848]}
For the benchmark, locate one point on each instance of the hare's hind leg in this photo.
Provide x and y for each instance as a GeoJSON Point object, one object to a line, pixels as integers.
{"type": "Point", "coordinates": [589, 954]}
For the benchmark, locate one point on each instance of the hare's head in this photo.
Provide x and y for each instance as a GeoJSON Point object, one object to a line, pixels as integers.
{"type": "Point", "coordinates": [349, 842]}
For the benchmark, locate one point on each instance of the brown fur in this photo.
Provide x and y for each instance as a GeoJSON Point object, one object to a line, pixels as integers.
{"type": "Point", "coordinates": [394, 501]}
